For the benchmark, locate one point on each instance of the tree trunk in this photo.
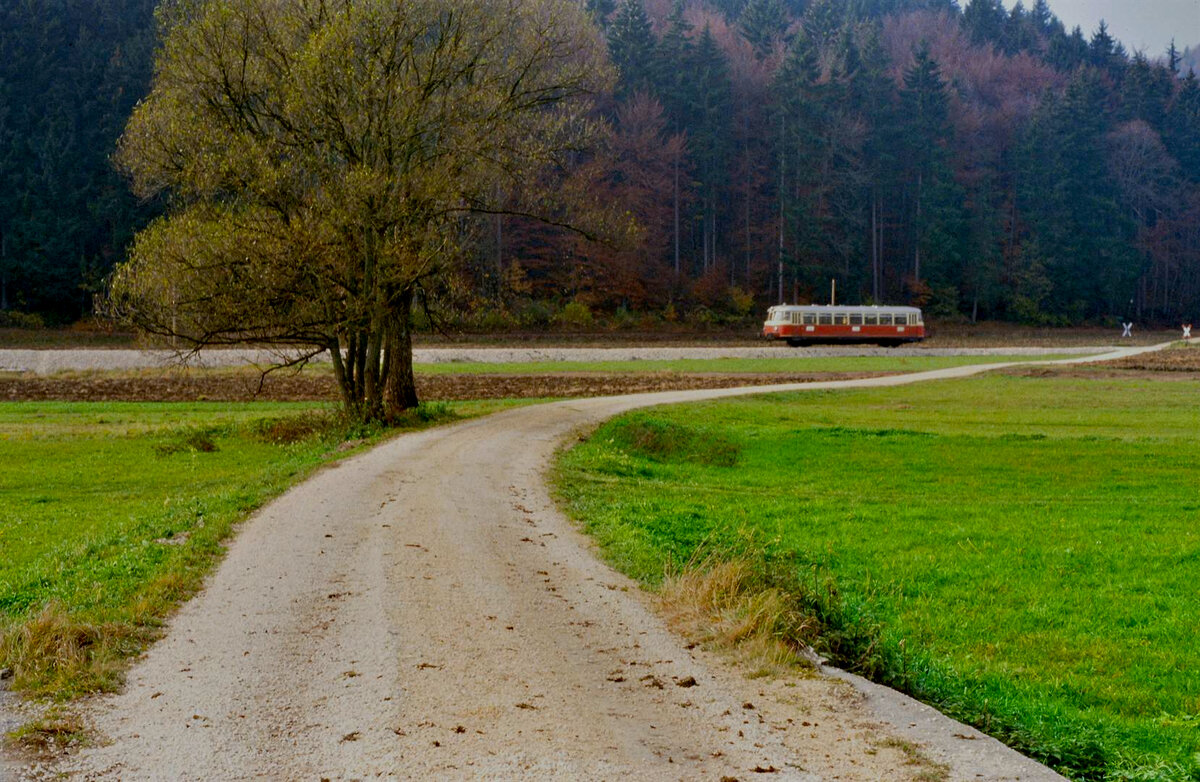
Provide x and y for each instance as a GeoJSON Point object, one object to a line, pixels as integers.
{"type": "Point", "coordinates": [676, 199]}
{"type": "Point", "coordinates": [782, 192]}
{"type": "Point", "coordinates": [874, 247]}
{"type": "Point", "coordinates": [4, 271]}
{"type": "Point", "coordinates": [400, 386]}
{"type": "Point", "coordinates": [919, 231]}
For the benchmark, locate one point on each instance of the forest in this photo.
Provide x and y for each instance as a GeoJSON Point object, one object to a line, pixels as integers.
{"type": "Point", "coordinates": [981, 162]}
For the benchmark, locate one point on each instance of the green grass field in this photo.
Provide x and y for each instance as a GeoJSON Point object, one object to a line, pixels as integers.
{"type": "Point", "coordinates": [1023, 552]}
{"type": "Point", "coordinates": [113, 512]}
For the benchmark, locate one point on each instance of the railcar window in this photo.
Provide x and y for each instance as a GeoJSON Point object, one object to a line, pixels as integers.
{"type": "Point", "coordinates": [795, 317]}
{"type": "Point", "coordinates": [840, 319]}
{"type": "Point", "coordinates": [810, 319]}
{"type": "Point", "coordinates": [826, 319]}
{"type": "Point", "coordinates": [871, 319]}
{"type": "Point", "coordinates": [856, 318]}
{"type": "Point", "coordinates": [885, 319]}
{"type": "Point", "coordinates": [900, 320]}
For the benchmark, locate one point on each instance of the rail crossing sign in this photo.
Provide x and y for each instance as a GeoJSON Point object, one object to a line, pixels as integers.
{"type": "Point", "coordinates": [1128, 332]}
{"type": "Point", "coordinates": [1187, 331]}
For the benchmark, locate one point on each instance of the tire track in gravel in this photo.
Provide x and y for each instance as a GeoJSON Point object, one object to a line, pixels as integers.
{"type": "Point", "coordinates": [424, 611]}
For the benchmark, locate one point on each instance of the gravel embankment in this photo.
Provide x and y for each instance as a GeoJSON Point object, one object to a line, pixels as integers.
{"type": "Point", "coordinates": [46, 362]}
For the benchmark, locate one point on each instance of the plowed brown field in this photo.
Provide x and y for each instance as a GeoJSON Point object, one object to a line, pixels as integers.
{"type": "Point", "coordinates": [239, 386]}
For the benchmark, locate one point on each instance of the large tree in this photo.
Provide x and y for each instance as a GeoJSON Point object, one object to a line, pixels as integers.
{"type": "Point", "coordinates": [319, 157]}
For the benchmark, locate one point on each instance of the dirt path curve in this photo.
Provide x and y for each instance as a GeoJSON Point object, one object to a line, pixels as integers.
{"type": "Point", "coordinates": [423, 611]}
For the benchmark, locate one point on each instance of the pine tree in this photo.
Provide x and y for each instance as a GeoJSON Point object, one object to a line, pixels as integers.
{"type": "Point", "coordinates": [872, 90]}
{"type": "Point", "coordinates": [1043, 20]}
{"type": "Point", "coordinates": [631, 46]}
{"type": "Point", "coordinates": [1182, 131]}
{"type": "Point", "coordinates": [985, 21]}
{"type": "Point", "coordinates": [762, 23]}
{"type": "Point", "coordinates": [600, 10]}
{"type": "Point", "coordinates": [801, 126]}
{"type": "Point", "coordinates": [673, 59]}
{"type": "Point", "coordinates": [1105, 52]}
{"type": "Point", "coordinates": [822, 22]}
{"type": "Point", "coordinates": [1068, 52]}
{"type": "Point", "coordinates": [1085, 239]}
{"type": "Point", "coordinates": [925, 109]}
{"type": "Point", "coordinates": [1173, 58]}
{"type": "Point", "coordinates": [709, 135]}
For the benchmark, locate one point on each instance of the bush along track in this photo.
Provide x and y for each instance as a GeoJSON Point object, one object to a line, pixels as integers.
{"type": "Point", "coordinates": [1007, 548]}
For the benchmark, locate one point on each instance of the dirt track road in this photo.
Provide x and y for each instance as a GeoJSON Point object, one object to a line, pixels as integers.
{"type": "Point", "coordinates": [423, 611]}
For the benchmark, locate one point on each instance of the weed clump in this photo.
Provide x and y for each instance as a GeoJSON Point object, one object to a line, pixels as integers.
{"type": "Point", "coordinates": [666, 441]}
{"type": "Point", "coordinates": [295, 428]}
{"type": "Point", "coordinates": [53, 651]}
{"type": "Point", "coordinates": [727, 604]}
{"type": "Point", "coordinates": [189, 441]}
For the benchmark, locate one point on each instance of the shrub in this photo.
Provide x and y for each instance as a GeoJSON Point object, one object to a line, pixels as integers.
{"type": "Point", "coordinates": [15, 319]}
{"type": "Point", "coordinates": [575, 315]}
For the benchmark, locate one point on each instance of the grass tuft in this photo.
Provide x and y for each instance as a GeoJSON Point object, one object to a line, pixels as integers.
{"type": "Point", "coordinates": [54, 731]}
{"type": "Point", "coordinates": [728, 605]}
{"type": "Point", "coordinates": [188, 441]}
{"type": "Point", "coordinates": [55, 651]}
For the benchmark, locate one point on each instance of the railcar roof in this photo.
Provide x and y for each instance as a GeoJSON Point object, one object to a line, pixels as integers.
{"type": "Point", "coordinates": [844, 307]}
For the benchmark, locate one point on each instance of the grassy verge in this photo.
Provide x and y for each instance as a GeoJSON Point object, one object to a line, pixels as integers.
{"type": "Point", "coordinates": [114, 512]}
{"type": "Point", "coordinates": [1020, 551]}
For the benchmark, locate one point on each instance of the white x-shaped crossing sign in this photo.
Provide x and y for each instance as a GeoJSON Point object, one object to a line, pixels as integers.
{"type": "Point", "coordinates": [1187, 331]}
{"type": "Point", "coordinates": [1128, 332]}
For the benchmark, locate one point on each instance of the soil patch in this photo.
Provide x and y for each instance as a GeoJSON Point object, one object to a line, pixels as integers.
{"type": "Point", "coordinates": [309, 386]}
{"type": "Point", "coordinates": [1176, 364]}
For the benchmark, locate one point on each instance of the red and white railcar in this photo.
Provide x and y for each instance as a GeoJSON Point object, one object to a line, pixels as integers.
{"type": "Point", "coordinates": [813, 325]}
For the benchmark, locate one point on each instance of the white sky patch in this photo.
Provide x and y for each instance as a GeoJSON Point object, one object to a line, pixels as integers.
{"type": "Point", "coordinates": [1142, 25]}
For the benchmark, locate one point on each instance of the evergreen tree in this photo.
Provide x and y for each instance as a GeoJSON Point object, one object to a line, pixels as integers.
{"type": "Point", "coordinates": [985, 21]}
{"type": "Point", "coordinates": [762, 23]}
{"type": "Point", "coordinates": [822, 23]}
{"type": "Point", "coordinates": [1145, 90]}
{"type": "Point", "coordinates": [631, 46]}
{"type": "Point", "coordinates": [600, 10]}
{"type": "Point", "coordinates": [1173, 58]}
{"type": "Point", "coordinates": [70, 72]}
{"type": "Point", "coordinates": [872, 90]}
{"type": "Point", "coordinates": [1085, 239]}
{"type": "Point", "coordinates": [1043, 20]}
{"type": "Point", "coordinates": [1105, 52]}
{"type": "Point", "coordinates": [708, 136]}
{"type": "Point", "coordinates": [1068, 52]}
{"type": "Point", "coordinates": [674, 58]}
{"type": "Point", "coordinates": [1181, 133]}
{"type": "Point", "coordinates": [802, 127]}
{"type": "Point", "coordinates": [925, 113]}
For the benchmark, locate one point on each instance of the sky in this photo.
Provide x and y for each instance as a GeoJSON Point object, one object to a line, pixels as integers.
{"type": "Point", "coordinates": [1145, 25]}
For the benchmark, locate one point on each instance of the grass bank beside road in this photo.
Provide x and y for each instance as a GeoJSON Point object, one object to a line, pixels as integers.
{"type": "Point", "coordinates": [1020, 550]}
{"type": "Point", "coordinates": [112, 514]}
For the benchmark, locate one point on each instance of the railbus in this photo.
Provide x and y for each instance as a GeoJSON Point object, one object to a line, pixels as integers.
{"type": "Point", "coordinates": [832, 325]}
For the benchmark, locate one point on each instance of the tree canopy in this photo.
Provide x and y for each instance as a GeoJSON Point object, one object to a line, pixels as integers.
{"type": "Point", "coordinates": [320, 157]}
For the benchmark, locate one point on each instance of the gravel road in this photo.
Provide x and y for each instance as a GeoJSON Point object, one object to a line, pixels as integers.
{"type": "Point", "coordinates": [45, 362]}
{"type": "Point", "coordinates": [423, 611]}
